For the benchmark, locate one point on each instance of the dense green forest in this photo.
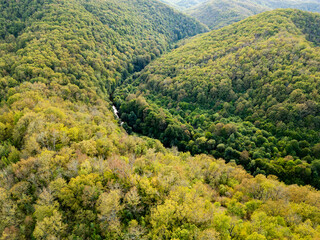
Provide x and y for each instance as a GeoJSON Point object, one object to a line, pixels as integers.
{"type": "Point", "coordinates": [248, 93]}
{"type": "Point", "coordinates": [101, 41]}
{"type": "Point", "coordinates": [68, 170]}
{"type": "Point", "coordinates": [219, 13]}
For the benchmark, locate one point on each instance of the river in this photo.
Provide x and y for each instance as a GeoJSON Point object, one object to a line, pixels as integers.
{"type": "Point", "coordinates": [116, 112]}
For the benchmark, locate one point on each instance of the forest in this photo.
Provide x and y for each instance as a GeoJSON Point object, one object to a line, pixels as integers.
{"type": "Point", "coordinates": [248, 93]}
{"type": "Point", "coordinates": [219, 13]}
{"type": "Point", "coordinates": [69, 170]}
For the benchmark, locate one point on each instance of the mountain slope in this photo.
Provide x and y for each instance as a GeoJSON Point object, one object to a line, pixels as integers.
{"type": "Point", "coordinates": [127, 33]}
{"type": "Point", "coordinates": [248, 93]}
{"type": "Point", "coordinates": [219, 13]}
{"type": "Point", "coordinates": [309, 5]}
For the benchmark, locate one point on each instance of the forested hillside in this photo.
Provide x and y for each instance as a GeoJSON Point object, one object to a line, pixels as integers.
{"type": "Point", "coordinates": [219, 13]}
{"type": "Point", "coordinates": [307, 5]}
{"type": "Point", "coordinates": [248, 93]}
{"type": "Point", "coordinates": [103, 41]}
{"type": "Point", "coordinates": [69, 171]}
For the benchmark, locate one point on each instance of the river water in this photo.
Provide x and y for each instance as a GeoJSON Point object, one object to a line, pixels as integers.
{"type": "Point", "coordinates": [116, 112]}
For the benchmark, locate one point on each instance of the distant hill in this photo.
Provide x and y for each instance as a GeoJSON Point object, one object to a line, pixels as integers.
{"type": "Point", "coordinates": [248, 92]}
{"type": "Point", "coordinates": [308, 5]}
{"type": "Point", "coordinates": [219, 13]}
{"type": "Point", "coordinates": [183, 4]}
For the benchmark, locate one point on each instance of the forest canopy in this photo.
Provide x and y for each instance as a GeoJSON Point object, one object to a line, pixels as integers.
{"type": "Point", "coordinates": [248, 93]}
{"type": "Point", "coordinates": [68, 170]}
{"type": "Point", "coordinates": [219, 13]}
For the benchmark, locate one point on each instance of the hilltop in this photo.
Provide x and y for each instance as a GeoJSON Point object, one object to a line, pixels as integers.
{"type": "Point", "coordinates": [219, 13]}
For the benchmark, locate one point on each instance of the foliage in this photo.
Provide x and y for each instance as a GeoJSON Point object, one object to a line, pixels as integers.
{"type": "Point", "coordinates": [219, 13]}
{"type": "Point", "coordinates": [247, 93]}
{"type": "Point", "coordinates": [69, 171]}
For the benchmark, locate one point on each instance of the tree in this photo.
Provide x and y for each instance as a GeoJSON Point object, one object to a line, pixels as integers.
{"type": "Point", "coordinates": [50, 227]}
{"type": "Point", "coordinates": [109, 207]}
{"type": "Point", "coordinates": [316, 150]}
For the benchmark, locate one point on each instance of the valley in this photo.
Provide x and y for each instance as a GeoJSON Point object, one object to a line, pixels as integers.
{"type": "Point", "coordinates": [131, 120]}
{"type": "Point", "coordinates": [240, 112]}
